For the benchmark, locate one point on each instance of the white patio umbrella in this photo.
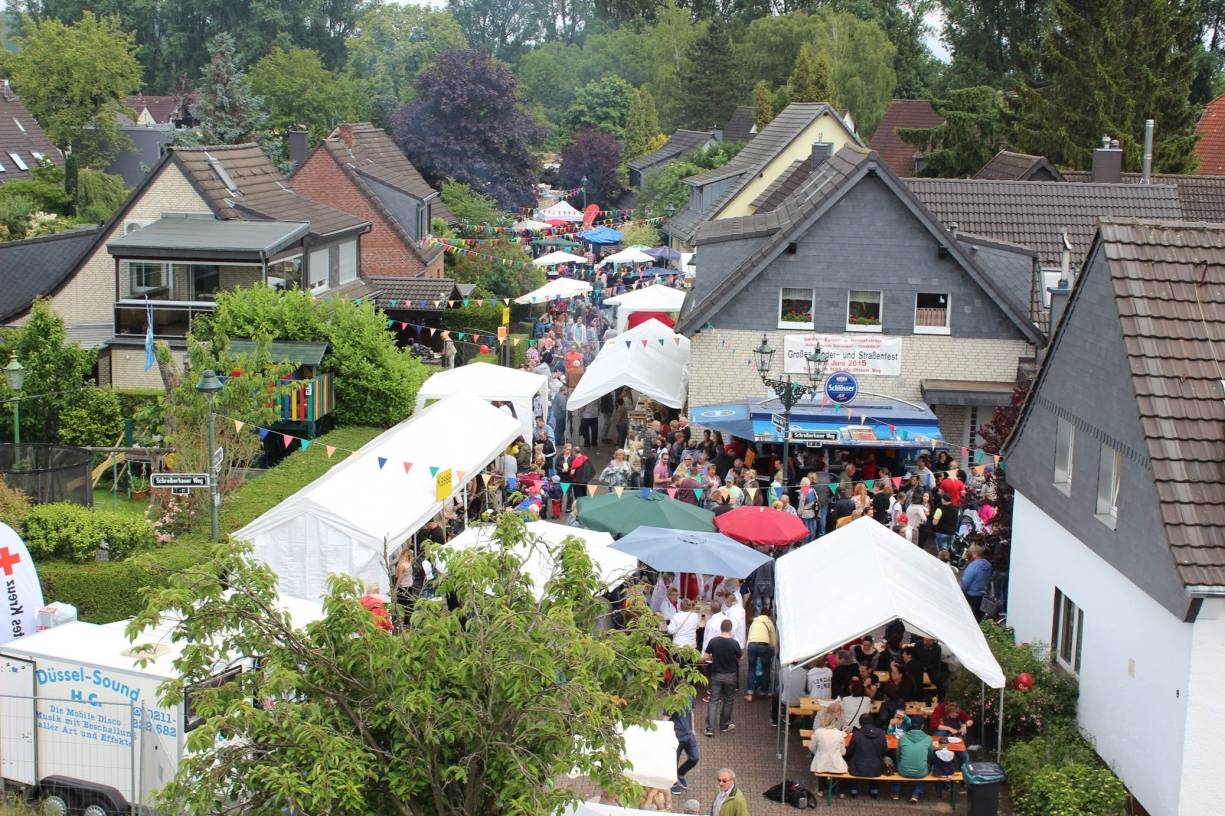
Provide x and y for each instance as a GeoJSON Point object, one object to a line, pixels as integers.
{"type": "Point", "coordinates": [628, 255]}
{"type": "Point", "coordinates": [557, 258]}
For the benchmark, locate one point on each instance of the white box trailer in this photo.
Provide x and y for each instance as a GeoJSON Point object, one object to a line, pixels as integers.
{"type": "Point", "coordinates": [81, 726]}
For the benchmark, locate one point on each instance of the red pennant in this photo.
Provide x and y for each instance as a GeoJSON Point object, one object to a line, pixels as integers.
{"type": "Point", "coordinates": [286, 440]}
{"type": "Point", "coordinates": [408, 466]}
{"type": "Point", "coordinates": [672, 492]}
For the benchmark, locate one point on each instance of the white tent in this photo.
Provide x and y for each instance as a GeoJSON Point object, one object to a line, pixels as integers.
{"type": "Point", "coordinates": [557, 258]}
{"type": "Point", "coordinates": [869, 575]}
{"type": "Point", "coordinates": [489, 382]}
{"type": "Point", "coordinates": [601, 809]}
{"type": "Point", "coordinates": [650, 754]}
{"type": "Point", "coordinates": [530, 226]}
{"type": "Point", "coordinates": [612, 565]}
{"type": "Point", "coordinates": [639, 359]}
{"type": "Point", "coordinates": [561, 211]}
{"type": "Point", "coordinates": [632, 254]}
{"type": "Point", "coordinates": [654, 298]}
{"type": "Point", "coordinates": [556, 288]}
{"type": "Point", "coordinates": [351, 519]}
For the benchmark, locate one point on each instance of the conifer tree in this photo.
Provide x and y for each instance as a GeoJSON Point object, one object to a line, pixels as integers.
{"type": "Point", "coordinates": [641, 125]}
{"type": "Point", "coordinates": [810, 77]}
{"type": "Point", "coordinates": [228, 112]}
{"type": "Point", "coordinates": [708, 95]}
{"type": "Point", "coordinates": [973, 131]}
{"type": "Point", "coordinates": [763, 104]}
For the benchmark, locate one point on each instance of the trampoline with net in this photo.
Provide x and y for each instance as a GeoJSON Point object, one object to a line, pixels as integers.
{"type": "Point", "coordinates": [49, 473]}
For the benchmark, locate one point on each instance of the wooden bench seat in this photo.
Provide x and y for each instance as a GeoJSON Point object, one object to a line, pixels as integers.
{"type": "Point", "coordinates": [835, 778]}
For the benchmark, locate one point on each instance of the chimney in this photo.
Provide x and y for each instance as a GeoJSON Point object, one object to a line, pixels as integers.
{"type": "Point", "coordinates": [1108, 162]}
{"type": "Point", "coordinates": [820, 152]}
{"type": "Point", "coordinates": [297, 146]}
{"type": "Point", "coordinates": [1060, 292]}
{"type": "Point", "coordinates": [346, 134]}
{"type": "Point", "coordinates": [1147, 176]}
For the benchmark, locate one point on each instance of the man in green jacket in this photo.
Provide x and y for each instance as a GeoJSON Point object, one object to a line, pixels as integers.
{"type": "Point", "coordinates": [730, 801]}
{"type": "Point", "coordinates": [914, 753]}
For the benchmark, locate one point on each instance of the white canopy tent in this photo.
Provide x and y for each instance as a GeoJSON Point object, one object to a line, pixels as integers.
{"type": "Point", "coordinates": [654, 298]}
{"type": "Point", "coordinates": [650, 756]}
{"type": "Point", "coordinates": [639, 359]}
{"type": "Point", "coordinates": [558, 257]}
{"type": "Point", "coordinates": [632, 254]}
{"type": "Point", "coordinates": [601, 809]}
{"type": "Point", "coordinates": [529, 225]}
{"type": "Point", "coordinates": [357, 515]}
{"type": "Point", "coordinates": [489, 382]}
{"type": "Point", "coordinates": [561, 211]}
{"type": "Point", "coordinates": [556, 288]}
{"type": "Point", "coordinates": [612, 565]}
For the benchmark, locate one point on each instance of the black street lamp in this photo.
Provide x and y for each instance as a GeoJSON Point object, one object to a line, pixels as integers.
{"type": "Point", "coordinates": [790, 393]}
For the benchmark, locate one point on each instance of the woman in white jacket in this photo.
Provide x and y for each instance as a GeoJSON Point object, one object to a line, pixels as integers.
{"type": "Point", "coordinates": [828, 744]}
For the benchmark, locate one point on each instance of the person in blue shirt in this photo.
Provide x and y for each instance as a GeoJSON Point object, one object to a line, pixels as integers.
{"type": "Point", "coordinates": [975, 579]}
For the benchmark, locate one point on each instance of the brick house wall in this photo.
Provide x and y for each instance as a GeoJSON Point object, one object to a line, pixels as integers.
{"type": "Point", "coordinates": [384, 253]}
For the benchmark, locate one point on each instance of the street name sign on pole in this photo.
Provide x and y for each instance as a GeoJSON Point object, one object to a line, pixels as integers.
{"type": "Point", "coordinates": [185, 481]}
{"type": "Point", "coordinates": [218, 458]}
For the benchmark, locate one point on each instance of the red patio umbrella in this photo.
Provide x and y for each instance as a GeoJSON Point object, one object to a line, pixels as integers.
{"type": "Point", "coordinates": [761, 525]}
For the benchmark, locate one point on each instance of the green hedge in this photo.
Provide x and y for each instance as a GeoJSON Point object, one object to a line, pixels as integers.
{"type": "Point", "coordinates": [108, 591]}
{"type": "Point", "coordinates": [1059, 774]}
{"type": "Point", "coordinates": [70, 532]}
{"type": "Point", "coordinates": [133, 400]}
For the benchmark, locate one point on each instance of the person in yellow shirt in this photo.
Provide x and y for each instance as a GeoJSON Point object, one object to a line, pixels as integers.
{"type": "Point", "coordinates": [762, 643]}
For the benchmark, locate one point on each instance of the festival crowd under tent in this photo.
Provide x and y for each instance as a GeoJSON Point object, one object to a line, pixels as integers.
{"type": "Point", "coordinates": [558, 258]}
{"type": "Point", "coordinates": [561, 211]}
{"type": "Point", "coordinates": [649, 358]}
{"type": "Point", "coordinates": [612, 566]}
{"type": "Point", "coordinates": [491, 383]}
{"type": "Point", "coordinates": [556, 289]}
{"type": "Point", "coordinates": [654, 298]}
{"type": "Point", "coordinates": [358, 515]}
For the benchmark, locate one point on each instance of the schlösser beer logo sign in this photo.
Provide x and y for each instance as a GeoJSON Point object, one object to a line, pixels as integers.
{"type": "Point", "coordinates": [841, 387]}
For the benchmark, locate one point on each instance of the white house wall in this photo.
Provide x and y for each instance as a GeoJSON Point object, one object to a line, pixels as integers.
{"type": "Point", "coordinates": [1203, 783]}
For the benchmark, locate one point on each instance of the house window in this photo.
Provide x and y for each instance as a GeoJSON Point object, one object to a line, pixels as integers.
{"type": "Point", "coordinates": [147, 278]}
{"type": "Point", "coordinates": [931, 313]}
{"type": "Point", "coordinates": [1108, 486]}
{"type": "Point", "coordinates": [863, 311]}
{"type": "Point", "coordinates": [286, 274]}
{"type": "Point", "coordinates": [348, 261]}
{"type": "Point", "coordinates": [319, 269]}
{"type": "Point", "coordinates": [1067, 632]}
{"type": "Point", "coordinates": [205, 281]}
{"type": "Point", "coordinates": [795, 309]}
{"type": "Point", "coordinates": [1065, 442]}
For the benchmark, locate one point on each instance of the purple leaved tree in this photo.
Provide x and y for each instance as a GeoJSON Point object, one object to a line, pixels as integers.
{"type": "Point", "coordinates": [594, 155]}
{"type": "Point", "coordinates": [468, 124]}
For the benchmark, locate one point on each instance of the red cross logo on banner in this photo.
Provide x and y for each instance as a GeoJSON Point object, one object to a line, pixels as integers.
{"type": "Point", "coordinates": [8, 560]}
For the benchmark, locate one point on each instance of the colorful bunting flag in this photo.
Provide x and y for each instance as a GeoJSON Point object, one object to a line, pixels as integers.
{"type": "Point", "coordinates": [833, 487]}
{"type": "Point", "coordinates": [238, 423]}
{"type": "Point", "coordinates": [897, 482]}
{"type": "Point", "coordinates": [408, 466]}
{"type": "Point", "coordinates": [565, 488]}
{"type": "Point", "coordinates": [697, 491]}
{"type": "Point", "coordinates": [870, 483]}
{"type": "Point", "coordinates": [382, 461]}
{"type": "Point", "coordinates": [306, 443]}
{"type": "Point", "coordinates": [329, 450]}
{"type": "Point", "coordinates": [672, 492]}
{"type": "Point", "coordinates": [434, 471]}
{"type": "Point", "coordinates": [619, 490]}
{"type": "Point", "coordinates": [286, 440]}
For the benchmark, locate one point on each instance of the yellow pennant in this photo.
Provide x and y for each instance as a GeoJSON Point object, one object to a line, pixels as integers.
{"type": "Point", "coordinates": [619, 490]}
{"type": "Point", "coordinates": [238, 423]}
{"type": "Point", "coordinates": [330, 449]}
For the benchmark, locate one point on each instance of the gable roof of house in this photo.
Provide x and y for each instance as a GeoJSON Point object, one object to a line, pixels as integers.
{"type": "Point", "coordinates": [902, 113]}
{"type": "Point", "coordinates": [827, 184]}
{"type": "Point", "coordinates": [739, 127]}
{"type": "Point", "coordinates": [1210, 144]}
{"type": "Point", "coordinates": [35, 267]}
{"type": "Point", "coordinates": [20, 134]}
{"type": "Point", "coordinates": [161, 108]}
{"type": "Point", "coordinates": [1009, 166]}
{"type": "Point", "coordinates": [1035, 213]}
{"type": "Point", "coordinates": [416, 294]}
{"type": "Point", "coordinates": [1202, 197]}
{"type": "Point", "coordinates": [241, 182]}
{"type": "Point", "coordinates": [753, 159]}
{"type": "Point", "coordinates": [678, 144]}
{"type": "Point", "coordinates": [1168, 282]}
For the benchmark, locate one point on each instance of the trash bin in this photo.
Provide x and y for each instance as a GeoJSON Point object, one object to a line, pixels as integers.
{"type": "Point", "coordinates": [983, 783]}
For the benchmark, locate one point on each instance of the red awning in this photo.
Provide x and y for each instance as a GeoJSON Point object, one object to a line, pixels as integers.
{"type": "Point", "coordinates": [634, 318]}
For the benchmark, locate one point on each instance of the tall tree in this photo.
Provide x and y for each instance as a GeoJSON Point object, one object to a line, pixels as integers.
{"type": "Point", "coordinates": [991, 41]}
{"type": "Point", "coordinates": [298, 90]}
{"type": "Point", "coordinates": [810, 77]}
{"type": "Point", "coordinates": [502, 28]}
{"type": "Point", "coordinates": [604, 103]}
{"type": "Point", "coordinates": [489, 693]}
{"type": "Point", "coordinates": [468, 123]}
{"type": "Point", "coordinates": [641, 125]}
{"type": "Point", "coordinates": [904, 23]}
{"type": "Point", "coordinates": [550, 77]}
{"type": "Point", "coordinates": [708, 96]}
{"type": "Point", "coordinates": [73, 79]}
{"type": "Point", "coordinates": [763, 104]}
{"type": "Point", "coordinates": [1103, 74]}
{"type": "Point", "coordinates": [974, 130]}
{"type": "Point", "coordinates": [592, 160]}
{"type": "Point", "coordinates": [228, 112]}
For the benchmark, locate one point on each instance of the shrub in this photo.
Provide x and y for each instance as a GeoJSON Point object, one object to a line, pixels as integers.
{"type": "Point", "coordinates": [1058, 774]}
{"type": "Point", "coordinates": [14, 506]}
{"type": "Point", "coordinates": [70, 532]}
{"type": "Point", "coordinates": [485, 318]}
{"type": "Point", "coordinates": [93, 419]}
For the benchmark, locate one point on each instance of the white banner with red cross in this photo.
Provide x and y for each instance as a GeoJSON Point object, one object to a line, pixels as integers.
{"type": "Point", "coordinates": [20, 592]}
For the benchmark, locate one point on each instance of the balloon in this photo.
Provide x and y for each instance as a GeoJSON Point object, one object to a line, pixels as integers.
{"type": "Point", "coordinates": [1024, 681]}
{"type": "Point", "coordinates": [484, 349]}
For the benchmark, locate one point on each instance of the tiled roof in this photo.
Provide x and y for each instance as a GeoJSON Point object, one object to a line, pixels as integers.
{"type": "Point", "coordinates": [902, 113]}
{"type": "Point", "coordinates": [423, 293]}
{"type": "Point", "coordinates": [1202, 197]}
{"type": "Point", "coordinates": [678, 144]}
{"type": "Point", "coordinates": [1009, 166]}
{"type": "Point", "coordinates": [1169, 286]}
{"type": "Point", "coordinates": [1211, 144]}
{"type": "Point", "coordinates": [783, 186]}
{"type": "Point", "coordinates": [254, 188]}
{"type": "Point", "coordinates": [36, 266]}
{"type": "Point", "coordinates": [1035, 213]}
{"type": "Point", "coordinates": [740, 127]}
{"type": "Point", "coordinates": [162, 108]}
{"type": "Point", "coordinates": [20, 134]}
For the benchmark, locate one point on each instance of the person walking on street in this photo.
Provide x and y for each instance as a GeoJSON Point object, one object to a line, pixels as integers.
{"type": "Point", "coordinates": [975, 579]}
{"type": "Point", "coordinates": [763, 641]}
{"type": "Point", "coordinates": [687, 743]}
{"type": "Point", "coordinates": [724, 654]}
{"type": "Point", "coordinates": [729, 801]}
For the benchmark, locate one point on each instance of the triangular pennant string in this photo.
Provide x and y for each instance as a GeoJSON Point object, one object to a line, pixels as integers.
{"type": "Point", "coordinates": [263, 433]}
{"type": "Point", "coordinates": [329, 450]}
{"type": "Point", "coordinates": [408, 466]}
{"type": "Point", "coordinates": [238, 423]}
{"type": "Point", "coordinates": [382, 461]}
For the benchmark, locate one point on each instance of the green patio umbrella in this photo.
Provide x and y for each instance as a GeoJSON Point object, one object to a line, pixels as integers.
{"type": "Point", "coordinates": [621, 515]}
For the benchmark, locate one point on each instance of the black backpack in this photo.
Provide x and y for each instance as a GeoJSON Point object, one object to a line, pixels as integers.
{"type": "Point", "coordinates": [797, 795]}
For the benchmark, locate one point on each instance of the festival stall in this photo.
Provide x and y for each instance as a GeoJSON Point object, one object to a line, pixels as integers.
{"type": "Point", "coordinates": [654, 298]}
{"type": "Point", "coordinates": [491, 383]}
{"type": "Point", "coordinates": [557, 258]}
{"type": "Point", "coordinates": [556, 289]}
{"type": "Point", "coordinates": [354, 518]}
{"type": "Point", "coordinates": [649, 358]}
{"type": "Point", "coordinates": [629, 255]}
{"type": "Point", "coordinates": [561, 211]}
{"type": "Point", "coordinates": [601, 236]}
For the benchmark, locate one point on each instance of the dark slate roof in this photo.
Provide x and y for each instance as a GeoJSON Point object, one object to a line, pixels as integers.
{"type": "Point", "coordinates": [1210, 145]}
{"type": "Point", "coordinates": [37, 266]}
{"type": "Point", "coordinates": [20, 134]}
{"type": "Point", "coordinates": [740, 127]}
{"type": "Point", "coordinates": [1202, 197]}
{"type": "Point", "coordinates": [1035, 213]}
{"type": "Point", "coordinates": [783, 186]}
{"type": "Point", "coordinates": [821, 190]}
{"type": "Point", "coordinates": [1010, 267]}
{"type": "Point", "coordinates": [415, 290]}
{"type": "Point", "coordinates": [678, 144]}
{"type": "Point", "coordinates": [259, 191]}
{"type": "Point", "coordinates": [1009, 166]}
{"type": "Point", "coordinates": [902, 113]}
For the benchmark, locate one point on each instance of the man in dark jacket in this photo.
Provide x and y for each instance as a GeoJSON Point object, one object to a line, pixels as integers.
{"type": "Point", "coordinates": [866, 754]}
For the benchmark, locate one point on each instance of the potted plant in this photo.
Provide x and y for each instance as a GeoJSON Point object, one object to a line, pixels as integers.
{"type": "Point", "coordinates": [796, 317]}
{"type": "Point", "coordinates": [140, 487]}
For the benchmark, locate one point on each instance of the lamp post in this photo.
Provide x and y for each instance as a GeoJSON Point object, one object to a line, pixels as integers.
{"type": "Point", "coordinates": [790, 393]}
{"type": "Point", "coordinates": [584, 192]}
{"type": "Point", "coordinates": [209, 386]}
{"type": "Point", "coordinates": [15, 373]}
